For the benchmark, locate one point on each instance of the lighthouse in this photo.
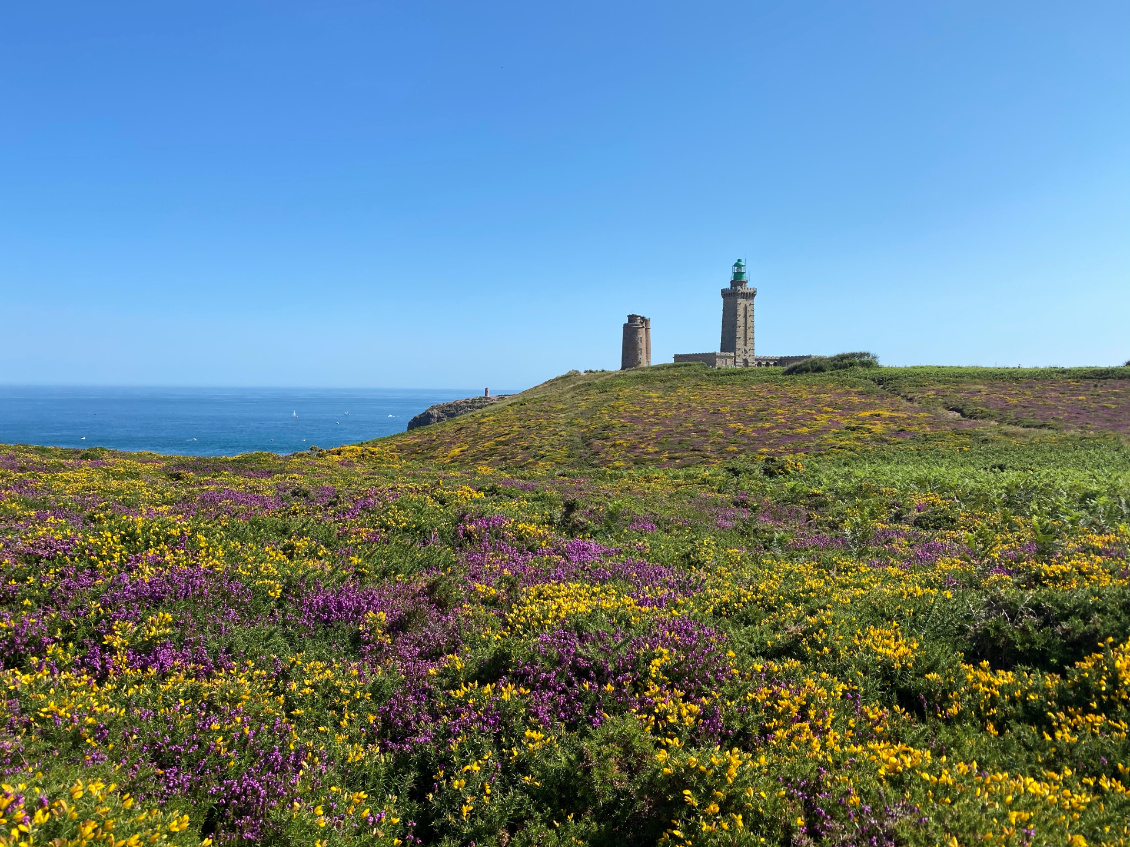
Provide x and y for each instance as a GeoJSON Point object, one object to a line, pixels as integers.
{"type": "Point", "coordinates": [737, 330]}
{"type": "Point", "coordinates": [737, 317]}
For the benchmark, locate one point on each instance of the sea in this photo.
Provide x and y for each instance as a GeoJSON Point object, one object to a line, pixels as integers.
{"type": "Point", "coordinates": [210, 421]}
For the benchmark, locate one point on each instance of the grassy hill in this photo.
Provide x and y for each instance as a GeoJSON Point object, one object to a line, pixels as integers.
{"type": "Point", "coordinates": [679, 415]}
{"type": "Point", "coordinates": [670, 606]}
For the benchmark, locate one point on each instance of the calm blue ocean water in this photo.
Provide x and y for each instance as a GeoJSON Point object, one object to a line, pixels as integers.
{"type": "Point", "coordinates": [209, 421]}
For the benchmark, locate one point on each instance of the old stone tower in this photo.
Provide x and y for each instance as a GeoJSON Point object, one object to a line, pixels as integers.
{"type": "Point", "coordinates": [636, 349]}
{"type": "Point", "coordinates": [737, 317]}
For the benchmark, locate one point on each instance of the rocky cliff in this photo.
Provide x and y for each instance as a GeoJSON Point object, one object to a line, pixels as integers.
{"type": "Point", "coordinates": [443, 411]}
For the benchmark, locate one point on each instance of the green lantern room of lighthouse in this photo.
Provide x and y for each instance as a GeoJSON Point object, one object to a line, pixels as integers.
{"type": "Point", "coordinates": [739, 272]}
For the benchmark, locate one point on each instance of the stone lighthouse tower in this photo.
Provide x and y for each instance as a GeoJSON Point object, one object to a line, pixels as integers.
{"type": "Point", "coordinates": [737, 317]}
{"type": "Point", "coordinates": [636, 349]}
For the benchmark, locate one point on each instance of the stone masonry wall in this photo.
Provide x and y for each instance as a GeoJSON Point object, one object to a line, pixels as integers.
{"type": "Point", "coordinates": [714, 360]}
{"type": "Point", "coordinates": [727, 360]}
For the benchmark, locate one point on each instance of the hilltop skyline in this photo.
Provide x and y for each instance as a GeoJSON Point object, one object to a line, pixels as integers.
{"type": "Point", "coordinates": [347, 195]}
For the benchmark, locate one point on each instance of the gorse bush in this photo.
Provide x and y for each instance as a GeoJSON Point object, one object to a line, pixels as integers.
{"type": "Point", "coordinates": [839, 362]}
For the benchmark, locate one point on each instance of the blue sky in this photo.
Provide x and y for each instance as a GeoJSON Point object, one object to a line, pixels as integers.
{"type": "Point", "coordinates": [454, 194]}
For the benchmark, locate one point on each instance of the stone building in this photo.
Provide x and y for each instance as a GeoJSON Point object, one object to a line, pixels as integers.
{"type": "Point", "coordinates": [737, 317]}
{"type": "Point", "coordinates": [737, 348]}
{"type": "Point", "coordinates": [635, 352]}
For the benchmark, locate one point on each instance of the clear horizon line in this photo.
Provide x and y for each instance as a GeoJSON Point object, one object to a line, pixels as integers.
{"type": "Point", "coordinates": [4, 385]}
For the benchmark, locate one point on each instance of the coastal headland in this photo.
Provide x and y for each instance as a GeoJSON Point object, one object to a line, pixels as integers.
{"type": "Point", "coordinates": [668, 605]}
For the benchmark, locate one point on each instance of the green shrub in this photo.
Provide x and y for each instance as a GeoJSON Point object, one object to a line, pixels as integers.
{"type": "Point", "coordinates": [839, 362]}
{"type": "Point", "coordinates": [780, 466]}
{"type": "Point", "coordinates": [817, 364]}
